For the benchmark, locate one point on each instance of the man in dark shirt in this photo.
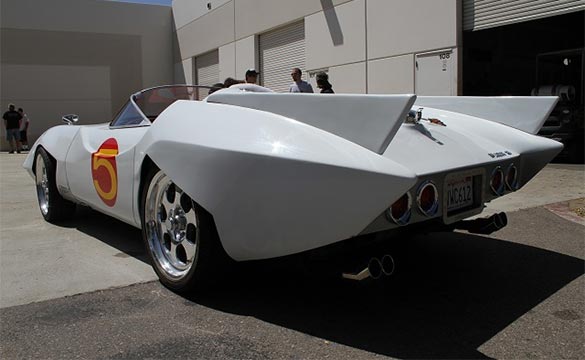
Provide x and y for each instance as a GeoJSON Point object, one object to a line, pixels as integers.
{"type": "Point", "coordinates": [12, 124]}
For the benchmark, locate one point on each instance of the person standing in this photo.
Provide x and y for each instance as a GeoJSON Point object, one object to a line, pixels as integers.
{"type": "Point", "coordinates": [299, 86]}
{"type": "Point", "coordinates": [24, 124]}
{"type": "Point", "coordinates": [231, 81]}
{"type": "Point", "coordinates": [251, 76]}
{"type": "Point", "coordinates": [324, 84]}
{"type": "Point", "coordinates": [12, 124]}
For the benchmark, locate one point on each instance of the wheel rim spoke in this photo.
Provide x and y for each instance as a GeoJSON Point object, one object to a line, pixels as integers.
{"type": "Point", "coordinates": [174, 240]}
{"type": "Point", "coordinates": [42, 183]}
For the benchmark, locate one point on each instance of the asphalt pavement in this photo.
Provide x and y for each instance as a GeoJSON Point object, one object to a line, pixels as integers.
{"type": "Point", "coordinates": [83, 290]}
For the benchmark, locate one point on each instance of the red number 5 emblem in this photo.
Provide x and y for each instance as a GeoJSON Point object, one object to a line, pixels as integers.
{"type": "Point", "coordinates": [104, 171]}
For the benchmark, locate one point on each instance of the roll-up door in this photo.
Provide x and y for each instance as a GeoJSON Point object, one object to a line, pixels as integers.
{"type": "Point", "coordinates": [207, 68]}
{"type": "Point", "coordinates": [280, 51]}
{"type": "Point", "coordinates": [483, 14]}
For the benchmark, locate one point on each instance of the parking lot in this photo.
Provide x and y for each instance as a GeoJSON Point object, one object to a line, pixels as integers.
{"type": "Point", "coordinates": [84, 289]}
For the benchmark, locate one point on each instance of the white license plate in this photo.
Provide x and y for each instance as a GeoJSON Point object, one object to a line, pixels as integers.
{"type": "Point", "coordinates": [459, 192]}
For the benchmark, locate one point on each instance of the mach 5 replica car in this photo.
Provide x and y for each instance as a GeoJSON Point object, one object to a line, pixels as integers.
{"type": "Point", "coordinates": [245, 173]}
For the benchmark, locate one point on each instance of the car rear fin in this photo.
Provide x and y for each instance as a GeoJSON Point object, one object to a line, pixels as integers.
{"type": "Point", "coordinates": [526, 113]}
{"type": "Point", "coordinates": [367, 120]}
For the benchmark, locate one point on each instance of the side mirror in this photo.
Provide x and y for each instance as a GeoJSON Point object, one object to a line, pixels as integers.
{"type": "Point", "coordinates": [70, 119]}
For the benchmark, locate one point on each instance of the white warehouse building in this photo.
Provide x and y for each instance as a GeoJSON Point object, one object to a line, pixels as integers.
{"type": "Point", "coordinates": [88, 56]}
{"type": "Point", "coordinates": [366, 46]}
{"type": "Point", "coordinates": [426, 47]}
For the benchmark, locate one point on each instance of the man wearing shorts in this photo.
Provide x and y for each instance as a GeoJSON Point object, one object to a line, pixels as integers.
{"type": "Point", "coordinates": [12, 124]}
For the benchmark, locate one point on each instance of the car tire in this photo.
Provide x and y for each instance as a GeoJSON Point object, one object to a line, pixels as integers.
{"type": "Point", "coordinates": [53, 206]}
{"type": "Point", "coordinates": [179, 236]}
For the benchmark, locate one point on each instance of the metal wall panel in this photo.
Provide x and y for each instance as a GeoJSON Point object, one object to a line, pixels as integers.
{"type": "Point", "coordinates": [207, 68]}
{"type": "Point", "coordinates": [483, 14]}
{"type": "Point", "coordinates": [280, 51]}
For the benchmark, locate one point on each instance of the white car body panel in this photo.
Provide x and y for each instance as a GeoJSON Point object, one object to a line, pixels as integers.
{"type": "Point", "coordinates": [78, 163]}
{"type": "Point", "coordinates": [57, 141]}
{"type": "Point", "coordinates": [526, 113]}
{"type": "Point", "coordinates": [297, 180]}
{"type": "Point", "coordinates": [368, 121]}
{"type": "Point", "coordinates": [286, 173]}
{"type": "Point", "coordinates": [461, 133]}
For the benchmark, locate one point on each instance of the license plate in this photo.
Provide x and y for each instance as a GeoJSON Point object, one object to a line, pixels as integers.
{"type": "Point", "coordinates": [459, 192]}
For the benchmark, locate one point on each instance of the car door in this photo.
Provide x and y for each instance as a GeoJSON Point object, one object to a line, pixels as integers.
{"type": "Point", "coordinates": [100, 163]}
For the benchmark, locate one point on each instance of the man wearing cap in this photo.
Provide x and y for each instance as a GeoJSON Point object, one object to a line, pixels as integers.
{"type": "Point", "coordinates": [251, 76]}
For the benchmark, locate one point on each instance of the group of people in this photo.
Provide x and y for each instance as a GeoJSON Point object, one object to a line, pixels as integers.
{"type": "Point", "coordinates": [298, 85]}
{"type": "Point", "coordinates": [301, 86]}
{"type": "Point", "coordinates": [16, 124]}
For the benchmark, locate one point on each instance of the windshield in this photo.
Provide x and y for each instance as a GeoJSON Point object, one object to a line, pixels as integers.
{"type": "Point", "coordinates": [153, 101]}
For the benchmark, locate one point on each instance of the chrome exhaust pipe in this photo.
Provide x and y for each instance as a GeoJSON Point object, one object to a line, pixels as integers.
{"type": "Point", "coordinates": [375, 269]}
{"type": "Point", "coordinates": [502, 220]}
{"type": "Point", "coordinates": [388, 265]}
{"type": "Point", "coordinates": [484, 226]}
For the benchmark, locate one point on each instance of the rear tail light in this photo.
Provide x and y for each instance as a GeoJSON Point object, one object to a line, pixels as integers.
{"type": "Point", "coordinates": [512, 177]}
{"type": "Point", "coordinates": [400, 211]}
{"type": "Point", "coordinates": [497, 183]}
{"type": "Point", "coordinates": [427, 198]}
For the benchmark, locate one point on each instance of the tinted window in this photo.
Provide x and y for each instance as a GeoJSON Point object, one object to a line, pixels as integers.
{"type": "Point", "coordinates": [128, 116]}
{"type": "Point", "coordinates": [154, 101]}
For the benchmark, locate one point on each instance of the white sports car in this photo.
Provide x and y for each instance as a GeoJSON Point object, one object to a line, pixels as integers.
{"type": "Point", "coordinates": [245, 173]}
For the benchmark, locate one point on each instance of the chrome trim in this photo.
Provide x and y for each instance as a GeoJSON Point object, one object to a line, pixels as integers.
{"type": "Point", "coordinates": [435, 207]}
{"type": "Point", "coordinates": [42, 184]}
{"type": "Point", "coordinates": [405, 218]}
{"type": "Point", "coordinates": [500, 190]}
{"type": "Point", "coordinates": [142, 124]}
{"type": "Point", "coordinates": [514, 185]}
{"type": "Point", "coordinates": [171, 228]}
{"type": "Point", "coordinates": [70, 119]}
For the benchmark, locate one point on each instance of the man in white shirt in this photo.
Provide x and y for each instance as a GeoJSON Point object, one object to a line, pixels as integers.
{"type": "Point", "coordinates": [24, 123]}
{"type": "Point", "coordinates": [299, 86]}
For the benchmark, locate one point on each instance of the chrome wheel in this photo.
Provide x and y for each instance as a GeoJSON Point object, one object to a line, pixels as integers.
{"type": "Point", "coordinates": [42, 183]}
{"type": "Point", "coordinates": [171, 227]}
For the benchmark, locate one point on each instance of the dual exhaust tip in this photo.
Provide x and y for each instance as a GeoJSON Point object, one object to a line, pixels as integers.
{"type": "Point", "coordinates": [484, 226]}
{"type": "Point", "coordinates": [376, 269]}
{"type": "Point", "coordinates": [385, 266]}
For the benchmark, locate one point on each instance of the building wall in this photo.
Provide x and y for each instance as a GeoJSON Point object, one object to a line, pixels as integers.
{"type": "Point", "coordinates": [80, 56]}
{"type": "Point", "coordinates": [366, 46]}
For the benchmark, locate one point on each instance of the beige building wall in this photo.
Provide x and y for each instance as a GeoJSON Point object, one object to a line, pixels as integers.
{"type": "Point", "coordinates": [391, 75]}
{"type": "Point", "coordinates": [186, 11]}
{"type": "Point", "coordinates": [80, 56]}
{"type": "Point", "coordinates": [246, 56]}
{"type": "Point", "coordinates": [348, 79]}
{"type": "Point", "coordinates": [335, 36]}
{"type": "Point", "coordinates": [227, 61]}
{"type": "Point", "coordinates": [410, 26]}
{"type": "Point", "coordinates": [187, 71]}
{"type": "Point", "coordinates": [366, 46]}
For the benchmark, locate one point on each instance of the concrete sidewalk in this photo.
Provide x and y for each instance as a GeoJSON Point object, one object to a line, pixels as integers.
{"type": "Point", "coordinates": [40, 261]}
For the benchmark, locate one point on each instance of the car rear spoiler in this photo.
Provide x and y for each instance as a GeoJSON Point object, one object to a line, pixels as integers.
{"type": "Point", "coordinates": [367, 120]}
{"type": "Point", "coordinates": [526, 113]}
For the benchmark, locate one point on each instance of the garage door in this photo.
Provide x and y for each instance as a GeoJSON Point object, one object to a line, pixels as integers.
{"type": "Point", "coordinates": [280, 51]}
{"type": "Point", "coordinates": [483, 14]}
{"type": "Point", "coordinates": [207, 68]}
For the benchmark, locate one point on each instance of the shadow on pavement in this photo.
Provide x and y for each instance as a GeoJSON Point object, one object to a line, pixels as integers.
{"type": "Point", "coordinates": [115, 233]}
{"type": "Point", "coordinates": [451, 293]}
